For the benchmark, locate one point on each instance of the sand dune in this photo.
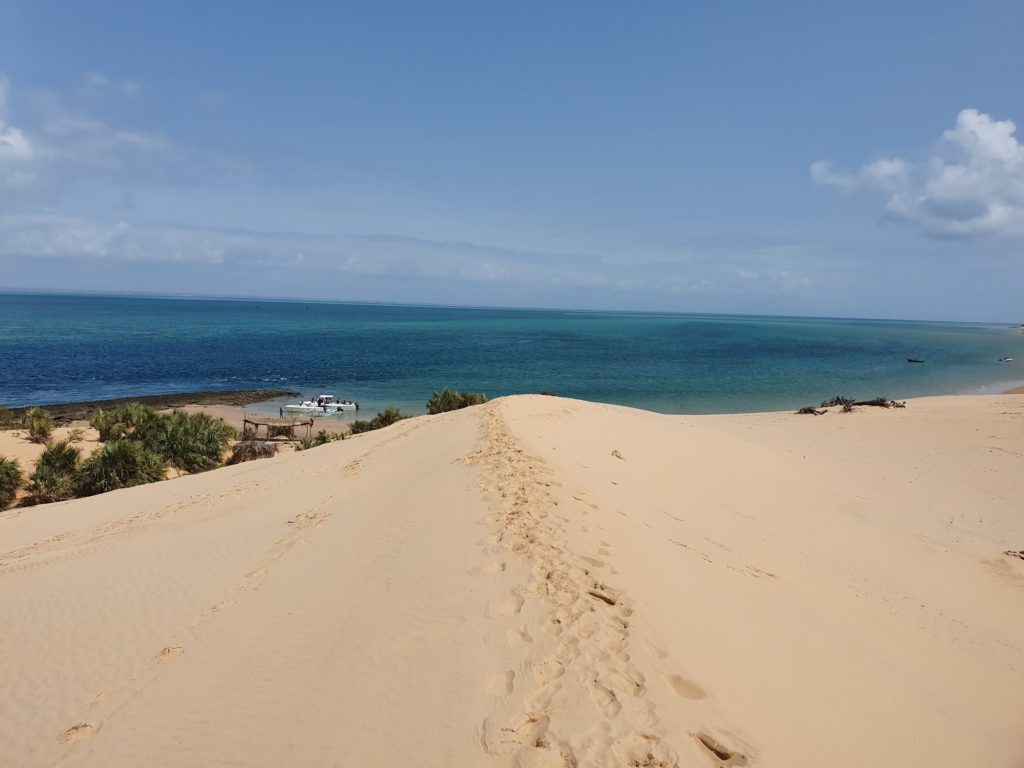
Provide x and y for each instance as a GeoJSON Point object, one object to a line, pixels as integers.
{"type": "Point", "coordinates": [539, 582]}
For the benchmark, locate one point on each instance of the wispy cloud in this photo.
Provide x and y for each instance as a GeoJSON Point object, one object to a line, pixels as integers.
{"type": "Point", "coordinates": [969, 185]}
{"type": "Point", "coordinates": [339, 257]}
{"type": "Point", "coordinates": [95, 83]}
{"type": "Point", "coordinates": [54, 143]}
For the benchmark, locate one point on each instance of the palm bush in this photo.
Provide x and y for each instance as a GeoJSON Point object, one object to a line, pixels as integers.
{"type": "Point", "coordinates": [385, 418]}
{"type": "Point", "coordinates": [320, 438]}
{"type": "Point", "coordinates": [11, 478]}
{"type": "Point", "coordinates": [119, 464]}
{"type": "Point", "coordinates": [106, 423]}
{"type": "Point", "coordinates": [39, 424]}
{"type": "Point", "coordinates": [7, 418]}
{"type": "Point", "coordinates": [192, 442]}
{"type": "Point", "coordinates": [54, 476]}
{"type": "Point", "coordinates": [450, 400]}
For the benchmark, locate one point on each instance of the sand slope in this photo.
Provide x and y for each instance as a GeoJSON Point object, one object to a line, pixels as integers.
{"type": "Point", "coordinates": [539, 582]}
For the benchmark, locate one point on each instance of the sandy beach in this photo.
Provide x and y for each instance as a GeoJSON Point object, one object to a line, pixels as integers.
{"type": "Point", "coordinates": [540, 582]}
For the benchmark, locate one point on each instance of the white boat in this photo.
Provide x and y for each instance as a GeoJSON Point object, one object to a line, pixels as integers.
{"type": "Point", "coordinates": [1005, 359]}
{"type": "Point", "coordinates": [323, 404]}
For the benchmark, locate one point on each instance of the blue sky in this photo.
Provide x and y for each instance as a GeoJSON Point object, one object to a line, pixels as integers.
{"type": "Point", "coordinates": [804, 158]}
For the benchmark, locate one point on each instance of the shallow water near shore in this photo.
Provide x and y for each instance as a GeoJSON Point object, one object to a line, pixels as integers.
{"type": "Point", "coordinates": [65, 348]}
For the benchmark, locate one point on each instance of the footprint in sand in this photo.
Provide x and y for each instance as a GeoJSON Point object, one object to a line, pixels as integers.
{"type": "Point", "coordinates": [501, 684]}
{"type": "Point", "coordinates": [686, 688]}
{"type": "Point", "coordinates": [545, 757]}
{"type": "Point", "coordinates": [519, 637]}
{"type": "Point", "coordinates": [644, 749]}
{"type": "Point", "coordinates": [522, 731]}
{"type": "Point", "coordinates": [170, 652]}
{"type": "Point", "coordinates": [77, 732]}
{"type": "Point", "coordinates": [548, 670]}
{"type": "Point", "coordinates": [491, 569]}
{"type": "Point", "coordinates": [725, 757]}
{"type": "Point", "coordinates": [505, 608]}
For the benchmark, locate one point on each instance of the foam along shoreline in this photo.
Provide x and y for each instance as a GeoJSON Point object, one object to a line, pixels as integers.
{"type": "Point", "coordinates": [540, 582]}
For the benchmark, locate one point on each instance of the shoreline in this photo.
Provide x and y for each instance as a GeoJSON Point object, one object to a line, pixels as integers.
{"type": "Point", "coordinates": [83, 410]}
{"type": "Point", "coordinates": [225, 403]}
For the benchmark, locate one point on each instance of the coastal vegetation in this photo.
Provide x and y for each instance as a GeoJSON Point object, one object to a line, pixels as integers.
{"type": "Point", "coordinates": [385, 418]}
{"type": "Point", "coordinates": [55, 474]}
{"type": "Point", "coordinates": [119, 464]}
{"type": "Point", "coordinates": [8, 419]}
{"type": "Point", "coordinates": [139, 444]}
{"type": "Point", "coordinates": [320, 438]}
{"type": "Point", "coordinates": [11, 478]}
{"type": "Point", "coordinates": [451, 400]}
{"type": "Point", "coordinates": [190, 442]}
{"type": "Point", "coordinates": [39, 424]}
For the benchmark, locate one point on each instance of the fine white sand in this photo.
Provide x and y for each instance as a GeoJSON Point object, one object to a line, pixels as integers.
{"type": "Point", "coordinates": [540, 582]}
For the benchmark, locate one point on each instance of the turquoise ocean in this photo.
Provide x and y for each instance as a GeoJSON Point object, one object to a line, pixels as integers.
{"type": "Point", "coordinates": [65, 348]}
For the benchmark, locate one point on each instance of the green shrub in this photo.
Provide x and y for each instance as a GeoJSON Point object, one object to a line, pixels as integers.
{"type": "Point", "coordinates": [54, 476]}
{"type": "Point", "coordinates": [39, 424]}
{"type": "Point", "coordinates": [192, 442]}
{"type": "Point", "coordinates": [320, 438]}
{"type": "Point", "coordinates": [7, 418]}
{"type": "Point", "coordinates": [119, 464]}
{"type": "Point", "coordinates": [11, 478]}
{"type": "Point", "coordinates": [385, 418]}
{"type": "Point", "coordinates": [106, 423]}
{"type": "Point", "coordinates": [450, 400]}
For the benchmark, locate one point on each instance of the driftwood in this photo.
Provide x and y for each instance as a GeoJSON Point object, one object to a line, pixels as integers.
{"type": "Point", "coordinates": [1015, 553]}
{"type": "Point", "coordinates": [837, 400]}
{"type": "Point", "coordinates": [848, 403]}
{"type": "Point", "coordinates": [882, 402]}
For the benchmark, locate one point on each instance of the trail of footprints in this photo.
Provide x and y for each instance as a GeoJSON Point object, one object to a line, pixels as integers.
{"type": "Point", "coordinates": [586, 638]}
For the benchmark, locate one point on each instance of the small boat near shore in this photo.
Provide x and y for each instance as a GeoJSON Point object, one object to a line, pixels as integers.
{"type": "Point", "coordinates": [324, 404]}
{"type": "Point", "coordinates": [1005, 359]}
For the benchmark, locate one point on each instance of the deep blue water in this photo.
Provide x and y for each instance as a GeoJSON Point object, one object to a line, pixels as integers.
{"type": "Point", "coordinates": [66, 348]}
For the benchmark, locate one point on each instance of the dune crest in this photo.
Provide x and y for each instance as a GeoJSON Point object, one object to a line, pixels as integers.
{"type": "Point", "coordinates": [539, 582]}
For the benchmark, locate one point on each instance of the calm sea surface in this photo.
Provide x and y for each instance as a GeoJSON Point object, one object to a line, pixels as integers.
{"type": "Point", "coordinates": [67, 348]}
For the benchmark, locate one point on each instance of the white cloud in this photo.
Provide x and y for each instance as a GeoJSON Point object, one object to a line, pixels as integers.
{"type": "Point", "coordinates": [969, 185]}
{"type": "Point", "coordinates": [55, 144]}
{"type": "Point", "coordinates": [96, 83]}
{"type": "Point", "coordinates": [16, 150]}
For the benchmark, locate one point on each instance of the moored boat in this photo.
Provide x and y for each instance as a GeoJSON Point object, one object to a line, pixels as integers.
{"type": "Point", "coordinates": [323, 404]}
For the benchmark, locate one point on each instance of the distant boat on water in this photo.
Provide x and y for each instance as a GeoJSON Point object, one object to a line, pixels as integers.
{"type": "Point", "coordinates": [323, 404]}
{"type": "Point", "coordinates": [914, 360]}
{"type": "Point", "coordinates": [1005, 359]}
